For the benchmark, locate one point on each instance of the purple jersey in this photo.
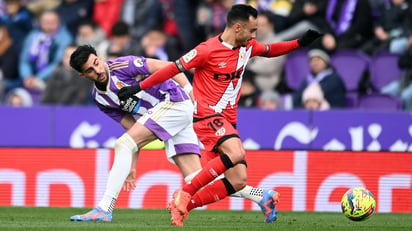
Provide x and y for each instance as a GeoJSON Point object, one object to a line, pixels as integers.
{"type": "Point", "coordinates": [129, 70]}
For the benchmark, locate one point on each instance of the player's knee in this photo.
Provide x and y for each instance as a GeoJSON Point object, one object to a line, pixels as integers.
{"type": "Point", "coordinates": [240, 155]}
{"type": "Point", "coordinates": [126, 141]}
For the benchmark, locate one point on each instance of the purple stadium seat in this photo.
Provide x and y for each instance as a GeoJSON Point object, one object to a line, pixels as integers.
{"type": "Point", "coordinates": [351, 100]}
{"type": "Point", "coordinates": [351, 65]}
{"type": "Point", "coordinates": [384, 69]}
{"type": "Point", "coordinates": [296, 68]}
{"type": "Point", "coordinates": [378, 101]}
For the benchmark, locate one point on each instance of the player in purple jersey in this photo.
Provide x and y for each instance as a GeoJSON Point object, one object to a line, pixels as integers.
{"type": "Point", "coordinates": [164, 111]}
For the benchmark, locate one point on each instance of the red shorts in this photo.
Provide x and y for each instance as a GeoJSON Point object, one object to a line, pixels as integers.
{"type": "Point", "coordinates": [212, 131]}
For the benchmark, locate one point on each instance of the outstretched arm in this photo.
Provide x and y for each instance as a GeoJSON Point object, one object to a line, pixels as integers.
{"type": "Point", "coordinates": [158, 77]}
{"type": "Point", "coordinates": [282, 48]}
{"type": "Point", "coordinates": [154, 65]}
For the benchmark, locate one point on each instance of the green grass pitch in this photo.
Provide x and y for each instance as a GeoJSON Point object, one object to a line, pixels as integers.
{"type": "Point", "coordinates": [34, 218]}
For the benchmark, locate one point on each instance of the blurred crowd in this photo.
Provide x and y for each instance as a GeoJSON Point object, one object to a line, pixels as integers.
{"type": "Point", "coordinates": [38, 36]}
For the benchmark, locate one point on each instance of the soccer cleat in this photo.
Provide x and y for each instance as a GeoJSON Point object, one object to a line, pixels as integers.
{"type": "Point", "coordinates": [177, 218]}
{"type": "Point", "coordinates": [97, 214]}
{"type": "Point", "coordinates": [268, 205]}
{"type": "Point", "coordinates": [181, 200]}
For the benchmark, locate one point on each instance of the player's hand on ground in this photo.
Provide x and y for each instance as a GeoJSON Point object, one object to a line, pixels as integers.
{"type": "Point", "coordinates": [308, 38]}
{"type": "Point", "coordinates": [126, 92]}
{"type": "Point", "coordinates": [130, 182]}
{"type": "Point", "coordinates": [130, 105]}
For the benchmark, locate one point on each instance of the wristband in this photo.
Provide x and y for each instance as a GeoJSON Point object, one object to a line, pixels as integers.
{"type": "Point", "coordinates": [188, 88]}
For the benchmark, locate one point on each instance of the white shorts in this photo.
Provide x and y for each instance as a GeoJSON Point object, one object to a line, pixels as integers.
{"type": "Point", "coordinates": [172, 122]}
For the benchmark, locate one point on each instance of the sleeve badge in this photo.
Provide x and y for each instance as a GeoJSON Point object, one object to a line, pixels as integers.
{"type": "Point", "coordinates": [138, 62]}
{"type": "Point", "coordinates": [190, 55]}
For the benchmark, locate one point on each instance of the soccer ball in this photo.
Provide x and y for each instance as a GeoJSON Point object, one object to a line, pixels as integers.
{"type": "Point", "coordinates": [358, 204]}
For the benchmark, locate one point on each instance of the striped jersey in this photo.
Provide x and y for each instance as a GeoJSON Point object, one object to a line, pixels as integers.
{"type": "Point", "coordinates": [127, 71]}
{"type": "Point", "coordinates": [219, 68]}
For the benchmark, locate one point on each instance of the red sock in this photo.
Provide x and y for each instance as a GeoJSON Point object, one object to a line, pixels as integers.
{"type": "Point", "coordinates": [212, 169]}
{"type": "Point", "coordinates": [212, 192]}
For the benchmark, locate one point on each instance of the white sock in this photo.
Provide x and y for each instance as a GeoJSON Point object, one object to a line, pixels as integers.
{"type": "Point", "coordinates": [189, 177]}
{"type": "Point", "coordinates": [124, 149]}
{"type": "Point", "coordinates": [249, 192]}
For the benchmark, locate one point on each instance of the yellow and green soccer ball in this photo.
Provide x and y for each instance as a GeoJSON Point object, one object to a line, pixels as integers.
{"type": "Point", "coordinates": [358, 204]}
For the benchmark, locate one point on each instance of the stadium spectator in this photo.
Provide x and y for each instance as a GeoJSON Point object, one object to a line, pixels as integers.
{"type": "Point", "coordinates": [18, 22]}
{"type": "Point", "coordinates": [64, 87]}
{"type": "Point", "coordinates": [138, 14]}
{"type": "Point", "coordinates": [392, 29]}
{"type": "Point", "coordinates": [162, 16]}
{"type": "Point", "coordinates": [330, 81]}
{"type": "Point", "coordinates": [403, 87]}
{"type": "Point", "coordinates": [211, 17]}
{"type": "Point", "coordinates": [19, 97]}
{"type": "Point", "coordinates": [349, 25]}
{"type": "Point", "coordinates": [165, 112]}
{"type": "Point", "coordinates": [73, 12]}
{"type": "Point", "coordinates": [219, 67]}
{"type": "Point", "coordinates": [155, 44]}
{"type": "Point", "coordinates": [269, 100]}
{"type": "Point", "coordinates": [121, 42]}
{"type": "Point", "coordinates": [313, 99]}
{"type": "Point", "coordinates": [266, 72]}
{"type": "Point", "coordinates": [305, 14]}
{"type": "Point", "coordinates": [89, 32]}
{"type": "Point", "coordinates": [42, 51]}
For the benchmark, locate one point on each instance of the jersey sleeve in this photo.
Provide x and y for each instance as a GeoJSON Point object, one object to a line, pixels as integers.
{"type": "Point", "coordinates": [259, 49]}
{"type": "Point", "coordinates": [274, 49]}
{"type": "Point", "coordinates": [194, 58]}
{"type": "Point", "coordinates": [136, 65]}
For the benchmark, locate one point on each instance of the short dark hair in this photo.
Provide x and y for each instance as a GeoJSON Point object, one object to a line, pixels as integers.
{"type": "Point", "coordinates": [240, 12]}
{"type": "Point", "coordinates": [120, 28]}
{"type": "Point", "coordinates": [80, 56]}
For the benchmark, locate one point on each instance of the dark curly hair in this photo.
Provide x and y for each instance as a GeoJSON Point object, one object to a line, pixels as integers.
{"type": "Point", "coordinates": [80, 56]}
